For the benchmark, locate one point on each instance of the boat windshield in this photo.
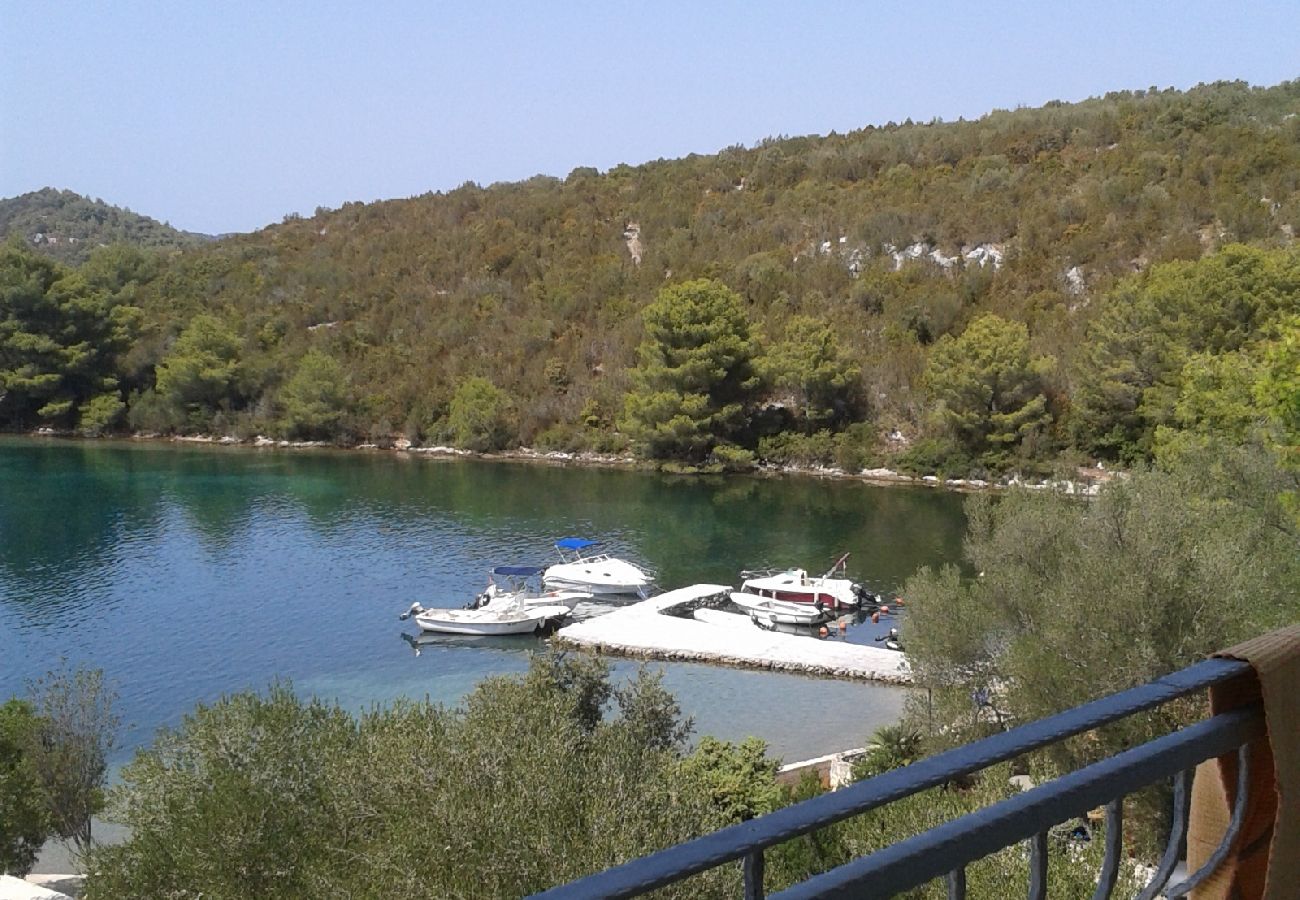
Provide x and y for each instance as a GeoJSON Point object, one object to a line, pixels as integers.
{"type": "Point", "coordinates": [518, 571]}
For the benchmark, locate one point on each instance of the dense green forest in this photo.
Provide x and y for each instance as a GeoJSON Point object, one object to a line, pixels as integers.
{"type": "Point", "coordinates": [69, 227]}
{"type": "Point", "coordinates": [1096, 280]}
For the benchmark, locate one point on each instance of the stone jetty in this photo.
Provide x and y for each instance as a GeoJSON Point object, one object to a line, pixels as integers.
{"type": "Point", "coordinates": [662, 627]}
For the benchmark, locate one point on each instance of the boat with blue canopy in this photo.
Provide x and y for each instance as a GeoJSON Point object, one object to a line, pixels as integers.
{"type": "Point", "coordinates": [584, 567]}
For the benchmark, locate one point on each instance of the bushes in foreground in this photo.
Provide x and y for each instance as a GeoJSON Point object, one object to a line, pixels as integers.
{"type": "Point", "coordinates": [536, 780]}
{"type": "Point", "coordinates": [532, 783]}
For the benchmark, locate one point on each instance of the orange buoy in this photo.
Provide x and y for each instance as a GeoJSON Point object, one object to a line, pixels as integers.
{"type": "Point", "coordinates": [885, 610]}
{"type": "Point", "coordinates": [899, 601]}
{"type": "Point", "coordinates": [824, 631]}
{"type": "Point", "coordinates": [844, 626]}
{"type": "Point", "coordinates": [875, 618]}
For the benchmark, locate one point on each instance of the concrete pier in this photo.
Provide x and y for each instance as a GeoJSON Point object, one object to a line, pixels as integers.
{"type": "Point", "coordinates": [650, 630]}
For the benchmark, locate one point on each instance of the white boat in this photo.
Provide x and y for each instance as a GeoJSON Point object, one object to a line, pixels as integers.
{"type": "Point", "coordinates": [582, 569]}
{"type": "Point", "coordinates": [509, 605]}
{"type": "Point", "coordinates": [797, 586]}
{"type": "Point", "coordinates": [516, 619]}
{"type": "Point", "coordinates": [765, 610]}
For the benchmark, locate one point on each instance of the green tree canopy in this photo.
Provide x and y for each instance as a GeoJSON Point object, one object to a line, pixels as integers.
{"type": "Point", "coordinates": [1129, 371]}
{"type": "Point", "coordinates": [24, 816]}
{"type": "Point", "coordinates": [809, 363]}
{"type": "Point", "coordinates": [481, 416]}
{"type": "Point", "coordinates": [77, 730]}
{"type": "Point", "coordinates": [1277, 389]}
{"type": "Point", "coordinates": [70, 228]}
{"type": "Point", "coordinates": [740, 778]}
{"type": "Point", "coordinates": [988, 388]}
{"type": "Point", "coordinates": [896, 236]}
{"type": "Point", "coordinates": [1217, 400]}
{"type": "Point", "coordinates": [315, 399]}
{"type": "Point", "coordinates": [695, 378]}
{"type": "Point", "coordinates": [60, 339]}
{"type": "Point", "coordinates": [199, 375]}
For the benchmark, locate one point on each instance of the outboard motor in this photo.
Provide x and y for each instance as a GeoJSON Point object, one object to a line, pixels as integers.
{"type": "Point", "coordinates": [892, 640]}
{"type": "Point", "coordinates": [864, 596]}
{"type": "Point", "coordinates": [415, 610]}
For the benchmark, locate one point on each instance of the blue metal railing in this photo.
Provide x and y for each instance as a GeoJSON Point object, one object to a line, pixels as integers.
{"type": "Point", "coordinates": [947, 849]}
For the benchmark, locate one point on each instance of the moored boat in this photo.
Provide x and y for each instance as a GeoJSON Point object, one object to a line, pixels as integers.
{"type": "Point", "coordinates": [780, 612]}
{"type": "Point", "coordinates": [487, 621]}
{"type": "Point", "coordinates": [583, 569]}
{"type": "Point", "coordinates": [797, 586]}
{"type": "Point", "coordinates": [511, 604]}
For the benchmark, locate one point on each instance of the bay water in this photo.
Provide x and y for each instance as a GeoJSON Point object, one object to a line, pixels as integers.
{"type": "Point", "coordinates": [187, 572]}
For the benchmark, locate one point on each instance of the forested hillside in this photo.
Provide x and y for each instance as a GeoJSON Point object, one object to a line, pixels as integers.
{"type": "Point", "coordinates": [69, 227]}
{"type": "Point", "coordinates": [1088, 280]}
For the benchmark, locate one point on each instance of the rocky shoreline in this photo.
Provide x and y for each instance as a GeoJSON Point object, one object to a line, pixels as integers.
{"type": "Point", "coordinates": [1087, 483]}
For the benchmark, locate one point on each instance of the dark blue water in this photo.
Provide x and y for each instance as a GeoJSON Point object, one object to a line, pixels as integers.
{"type": "Point", "coordinates": [186, 572]}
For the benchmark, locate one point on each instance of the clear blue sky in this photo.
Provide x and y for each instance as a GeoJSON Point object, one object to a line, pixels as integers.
{"type": "Point", "coordinates": [225, 116]}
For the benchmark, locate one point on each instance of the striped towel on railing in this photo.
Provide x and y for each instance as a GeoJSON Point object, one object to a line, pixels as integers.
{"type": "Point", "coordinates": [1265, 863]}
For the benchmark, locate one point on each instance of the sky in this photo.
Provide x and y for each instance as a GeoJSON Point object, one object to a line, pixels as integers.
{"type": "Point", "coordinates": [227, 116]}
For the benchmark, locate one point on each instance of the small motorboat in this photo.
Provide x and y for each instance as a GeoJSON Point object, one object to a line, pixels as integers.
{"type": "Point", "coordinates": [766, 611]}
{"type": "Point", "coordinates": [515, 619]}
{"type": "Point", "coordinates": [511, 604]}
{"type": "Point", "coordinates": [797, 586]}
{"type": "Point", "coordinates": [582, 569]}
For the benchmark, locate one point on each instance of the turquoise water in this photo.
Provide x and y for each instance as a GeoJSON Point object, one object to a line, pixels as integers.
{"type": "Point", "coordinates": [189, 572]}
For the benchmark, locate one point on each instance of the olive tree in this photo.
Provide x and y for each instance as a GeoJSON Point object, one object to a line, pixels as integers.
{"type": "Point", "coordinates": [76, 732]}
{"type": "Point", "coordinates": [535, 780]}
{"type": "Point", "coordinates": [1065, 599]}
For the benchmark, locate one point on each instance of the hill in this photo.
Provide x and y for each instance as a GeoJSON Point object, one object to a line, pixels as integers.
{"type": "Point", "coordinates": [1045, 227]}
{"type": "Point", "coordinates": [67, 226]}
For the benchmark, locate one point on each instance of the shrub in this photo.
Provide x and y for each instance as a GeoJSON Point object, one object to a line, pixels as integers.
{"type": "Point", "coordinates": [790, 448]}
{"type": "Point", "coordinates": [24, 824]}
{"type": "Point", "coordinates": [100, 414]}
{"type": "Point", "coordinates": [730, 458]}
{"type": "Point", "coordinates": [935, 456]}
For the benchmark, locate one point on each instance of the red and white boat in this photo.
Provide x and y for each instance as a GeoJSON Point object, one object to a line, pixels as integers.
{"type": "Point", "coordinates": [797, 586]}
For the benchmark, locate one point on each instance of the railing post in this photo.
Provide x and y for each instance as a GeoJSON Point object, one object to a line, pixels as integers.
{"type": "Point", "coordinates": [957, 884]}
{"type": "Point", "coordinates": [1038, 866]}
{"type": "Point", "coordinates": [1177, 835]}
{"type": "Point", "coordinates": [1114, 850]}
{"type": "Point", "coordinates": [753, 867]}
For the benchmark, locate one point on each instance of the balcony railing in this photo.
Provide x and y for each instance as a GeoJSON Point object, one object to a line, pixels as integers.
{"type": "Point", "coordinates": [946, 850]}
